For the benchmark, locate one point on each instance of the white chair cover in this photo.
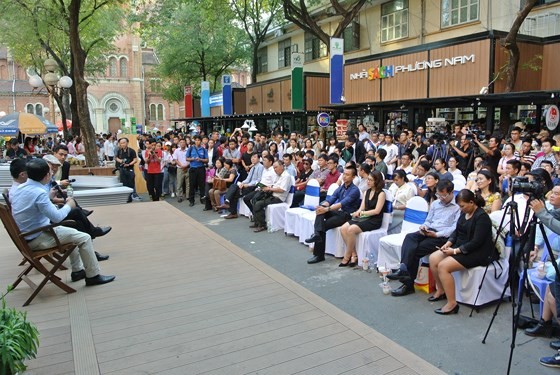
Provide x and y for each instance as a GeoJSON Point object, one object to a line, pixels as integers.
{"type": "Point", "coordinates": [459, 183]}
{"type": "Point", "coordinates": [243, 209]}
{"type": "Point", "coordinates": [292, 215]}
{"type": "Point", "coordinates": [468, 281]}
{"type": "Point", "coordinates": [389, 253]}
{"type": "Point", "coordinates": [276, 213]}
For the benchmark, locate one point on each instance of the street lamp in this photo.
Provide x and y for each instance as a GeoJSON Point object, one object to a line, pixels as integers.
{"type": "Point", "coordinates": [51, 79]}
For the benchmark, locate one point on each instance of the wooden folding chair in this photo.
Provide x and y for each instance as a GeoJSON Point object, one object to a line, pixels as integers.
{"type": "Point", "coordinates": [34, 257]}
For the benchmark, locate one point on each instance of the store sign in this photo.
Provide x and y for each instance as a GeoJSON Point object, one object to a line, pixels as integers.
{"type": "Point", "coordinates": [389, 71]}
{"type": "Point", "coordinates": [552, 117]}
{"type": "Point", "coordinates": [323, 119]}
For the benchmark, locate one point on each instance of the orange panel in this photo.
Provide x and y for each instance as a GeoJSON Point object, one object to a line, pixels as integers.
{"type": "Point", "coordinates": [357, 87]}
{"type": "Point", "coordinates": [254, 99]}
{"type": "Point", "coordinates": [271, 97]}
{"type": "Point", "coordinates": [316, 92]}
{"type": "Point", "coordinates": [527, 79]}
{"type": "Point", "coordinates": [286, 89]}
{"type": "Point", "coordinates": [464, 69]}
{"type": "Point", "coordinates": [550, 77]}
{"type": "Point", "coordinates": [406, 83]}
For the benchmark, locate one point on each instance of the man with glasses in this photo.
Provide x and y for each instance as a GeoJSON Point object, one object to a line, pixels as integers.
{"type": "Point", "coordinates": [516, 138]}
{"type": "Point", "coordinates": [440, 223]}
{"type": "Point", "coordinates": [332, 176]}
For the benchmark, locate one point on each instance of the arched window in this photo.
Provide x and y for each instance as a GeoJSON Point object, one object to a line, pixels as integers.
{"type": "Point", "coordinates": [112, 67]}
{"type": "Point", "coordinates": [123, 67]}
{"type": "Point", "coordinates": [160, 116]}
{"type": "Point", "coordinates": [39, 109]}
{"type": "Point", "coordinates": [152, 112]}
{"type": "Point", "coordinates": [29, 108]}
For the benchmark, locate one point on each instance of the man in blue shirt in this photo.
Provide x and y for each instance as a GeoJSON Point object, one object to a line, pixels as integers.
{"type": "Point", "coordinates": [333, 212]}
{"type": "Point", "coordinates": [32, 209]}
{"type": "Point", "coordinates": [440, 223]}
{"type": "Point", "coordinates": [198, 157]}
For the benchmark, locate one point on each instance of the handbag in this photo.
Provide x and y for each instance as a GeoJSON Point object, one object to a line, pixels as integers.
{"type": "Point", "coordinates": [219, 184]}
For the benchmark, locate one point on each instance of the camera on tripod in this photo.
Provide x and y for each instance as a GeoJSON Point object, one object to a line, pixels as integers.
{"type": "Point", "coordinates": [535, 189]}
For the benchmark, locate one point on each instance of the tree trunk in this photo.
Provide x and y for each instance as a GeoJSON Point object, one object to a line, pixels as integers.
{"type": "Point", "coordinates": [80, 85]}
{"type": "Point", "coordinates": [510, 44]}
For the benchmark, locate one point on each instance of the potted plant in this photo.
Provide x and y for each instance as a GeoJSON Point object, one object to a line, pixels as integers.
{"type": "Point", "coordinates": [19, 339]}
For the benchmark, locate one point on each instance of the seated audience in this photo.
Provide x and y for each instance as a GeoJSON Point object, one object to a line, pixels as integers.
{"type": "Point", "coordinates": [487, 189]}
{"type": "Point", "coordinates": [402, 191]}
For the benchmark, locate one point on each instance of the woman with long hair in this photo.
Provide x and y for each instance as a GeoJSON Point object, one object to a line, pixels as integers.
{"type": "Point", "coordinates": [227, 173]}
{"type": "Point", "coordinates": [368, 217]}
{"type": "Point", "coordinates": [488, 190]}
{"type": "Point", "coordinates": [469, 246]}
{"type": "Point", "coordinates": [431, 180]}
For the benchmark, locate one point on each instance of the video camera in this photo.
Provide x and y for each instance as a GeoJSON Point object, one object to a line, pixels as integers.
{"type": "Point", "coordinates": [474, 132]}
{"type": "Point", "coordinates": [535, 189]}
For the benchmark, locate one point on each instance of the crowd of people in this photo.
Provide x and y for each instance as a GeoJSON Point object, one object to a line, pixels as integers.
{"type": "Point", "coordinates": [463, 176]}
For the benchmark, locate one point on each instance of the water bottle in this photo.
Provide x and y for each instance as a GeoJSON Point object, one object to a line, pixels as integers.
{"type": "Point", "coordinates": [269, 227]}
{"type": "Point", "coordinates": [365, 264]}
{"type": "Point", "coordinates": [69, 191]}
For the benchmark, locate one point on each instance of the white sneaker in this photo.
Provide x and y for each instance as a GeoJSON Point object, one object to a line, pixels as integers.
{"type": "Point", "coordinates": [136, 198]}
{"type": "Point", "coordinates": [172, 195]}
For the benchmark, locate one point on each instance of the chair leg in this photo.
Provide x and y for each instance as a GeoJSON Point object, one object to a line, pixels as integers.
{"type": "Point", "coordinates": [49, 276]}
{"type": "Point", "coordinates": [23, 261]}
{"type": "Point", "coordinates": [53, 261]}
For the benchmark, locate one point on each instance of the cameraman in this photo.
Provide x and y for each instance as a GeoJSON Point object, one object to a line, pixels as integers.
{"type": "Point", "coordinates": [463, 154]}
{"type": "Point", "coordinates": [492, 152]}
{"type": "Point", "coordinates": [125, 160]}
{"type": "Point", "coordinates": [551, 219]}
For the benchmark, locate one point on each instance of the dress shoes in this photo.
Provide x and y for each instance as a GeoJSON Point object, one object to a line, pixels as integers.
{"type": "Point", "coordinates": [98, 280]}
{"type": "Point", "coordinates": [101, 231]}
{"type": "Point", "coordinates": [555, 345]}
{"type": "Point", "coordinates": [253, 226]}
{"type": "Point", "coordinates": [78, 275]}
{"type": "Point", "coordinates": [232, 216]}
{"type": "Point", "coordinates": [191, 204]}
{"type": "Point", "coordinates": [454, 310]}
{"type": "Point", "coordinates": [101, 258]}
{"type": "Point", "coordinates": [403, 290]}
{"type": "Point", "coordinates": [315, 259]}
{"type": "Point", "coordinates": [316, 237]}
{"type": "Point", "coordinates": [542, 329]}
{"type": "Point", "coordinates": [259, 229]}
{"type": "Point", "coordinates": [434, 298]}
{"type": "Point", "coordinates": [400, 274]}
{"type": "Point", "coordinates": [87, 212]}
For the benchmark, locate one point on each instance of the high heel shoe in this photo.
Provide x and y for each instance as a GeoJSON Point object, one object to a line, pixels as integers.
{"type": "Point", "coordinates": [353, 262]}
{"type": "Point", "coordinates": [342, 264]}
{"type": "Point", "coordinates": [434, 298]}
{"type": "Point", "coordinates": [454, 310]}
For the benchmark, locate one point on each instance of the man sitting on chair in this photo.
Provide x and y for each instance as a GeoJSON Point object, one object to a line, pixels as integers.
{"type": "Point", "coordinates": [440, 223]}
{"type": "Point", "coordinates": [277, 193]}
{"type": "Point", "coordinates": [32, 209]}
{"type": "Point", "coordinates": [333, 212]}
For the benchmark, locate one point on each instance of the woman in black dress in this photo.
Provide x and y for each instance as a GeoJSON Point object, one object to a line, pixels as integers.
{"type": "Point", "coordinates": [470, 245]}
{"type": "Point", "coordinates": [368, 217]}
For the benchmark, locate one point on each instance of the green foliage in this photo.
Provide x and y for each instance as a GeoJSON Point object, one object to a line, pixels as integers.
{"type": "Point", "coordinates": [19, 339]}
{"type": "Point", "coordinates": [37, 29]}
{"type": "Point", "coordinates": [195, 40]}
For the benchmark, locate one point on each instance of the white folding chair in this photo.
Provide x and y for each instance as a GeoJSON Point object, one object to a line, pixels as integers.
{"type": "Point", "coordinates": [307, 220]}
{"type": "Point", "coordinates": [275, 213]}
{"type": "Point", "coordinates": [389, 254]}
{"type": "Point", "coordinates": [459, 184]}
{"type": "Point", "coordinates": [292, 215]}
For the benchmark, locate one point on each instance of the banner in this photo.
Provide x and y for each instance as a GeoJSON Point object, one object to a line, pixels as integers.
{"type": "Point", "coordinates": [297, 81]}
{"type": "Point", "coordinates": [227, 108]}
{"type": "Point", "coordinates": [188, 102]}
{"type": "Point", "coordinates": [205, 99]}
{"type": "Point", "coordinates": [337, 70]}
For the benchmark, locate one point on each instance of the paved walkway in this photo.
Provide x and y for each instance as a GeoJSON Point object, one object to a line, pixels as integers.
{"type": "Point", "coordinates": [187, 301]}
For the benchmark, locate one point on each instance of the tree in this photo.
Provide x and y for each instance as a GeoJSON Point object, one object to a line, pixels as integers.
{"type": "Point", "coordinates": [299, 13]}
{"type": "Point", "coordinates": [510, 44]}
{"type": "Point", "coordinates": [196, 41]}
{"type": "Point", "coordinates": [69, 31]}
{"type": "Point", "coordinates": [257, 16]}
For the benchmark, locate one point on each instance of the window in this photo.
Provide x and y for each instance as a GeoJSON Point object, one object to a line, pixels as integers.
{"type": "Point", "coordinates": [394, 20]}
{"type": "Point", "coordinates": [30, 108]}
{"type": "Point", "coordinates": [36, 109]}
{"type": "Point", "coordinates": [314, 47]}
{"type": "Point", "coordinates": [539, 2]}
{"type": "Point", "coordinates": [157, 112]}
{"type": "Point", "coordinates": [39, 109]}
{"type": "Point", "coordinates": [284, 53]}
{"type": "Point", "coordinates": [351, 36]}
{"type": "Point", "coordinates": [262, 60]}
{"type": "Point", "coordinates": [123, 67]}
{"type": "Point", "coordinates": [155, 85]}
{"type": "Point", "coordinates": [456, 12]}
{"type": "Point", "coordinates": [112, 67]}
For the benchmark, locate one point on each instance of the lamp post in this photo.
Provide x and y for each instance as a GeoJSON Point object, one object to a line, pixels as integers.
{"type": "Point", "coordinates": [54, 83]}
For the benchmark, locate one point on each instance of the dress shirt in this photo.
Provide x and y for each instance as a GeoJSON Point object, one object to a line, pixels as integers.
{"type": "Point", "coordinates": [269, 177]}
{"type": "Point", "coordinates": [180, 156]}
{"type": "Point", "coordinates": [347, 196]}
{"type": "Point", "coordinates": [320, 174]}
{"type": "Point", "coordinates": [284, 182]}
{"type": "Point", "coordinates": [330, 179]}
{"type": "Point", "coordinates": [443, 218]}
{"type": "Point", "coordinates": [32, 208]}
{"type": "Point", "coordinates": [255, 175]}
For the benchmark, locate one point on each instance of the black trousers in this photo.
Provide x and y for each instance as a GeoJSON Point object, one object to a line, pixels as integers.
{"type": "Point", "coordinates": [260, 207]}
{"type": "Point", "coordinates": [234, 193]}
{"type": "Point", "coordinates": [154, 183]}
{"type": "Point", "coordinates": [81, 222]}
{"type": "Point", "coordinates": [416, 246]}
{"type": "Point", "coordinates": [127, 178]}
{"type": "Point", "coordinates": [197, 179]}
{"type": "Point", "coordinates": [324, 222]}
{"type": "Point", "coordinates": [247, 198]}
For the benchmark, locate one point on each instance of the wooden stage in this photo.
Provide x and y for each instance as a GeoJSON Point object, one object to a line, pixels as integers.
{"type": "Point", "coordinates": [187, 301]}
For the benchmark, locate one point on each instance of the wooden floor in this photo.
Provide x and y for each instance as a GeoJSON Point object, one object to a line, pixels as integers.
{"type": "Point", "coordinates": [187, 301]}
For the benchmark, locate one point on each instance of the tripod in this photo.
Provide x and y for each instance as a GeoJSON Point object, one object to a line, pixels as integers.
{"type": "Point", "coordinates": [527, 240]}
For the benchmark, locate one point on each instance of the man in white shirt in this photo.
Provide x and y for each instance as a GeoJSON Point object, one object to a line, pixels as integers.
{"type": "Point", "coordinates": [180, 157]}
{"type": "Point", "coordinates": [277, 193]}
{"type": "Point", "coordinates": [269, 177]}
{"type": "Point", "coordinates": [392, 154]}
{"type": "Point", "coordinates": [109, 148]}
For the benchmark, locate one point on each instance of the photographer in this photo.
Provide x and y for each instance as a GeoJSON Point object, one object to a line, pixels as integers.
{"type": "Point", "coordinates": [492, 152]}
{"type": "Point", "coordinates": [464, 154]}
{"type": "Point", "coordinates": [125, 160]}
